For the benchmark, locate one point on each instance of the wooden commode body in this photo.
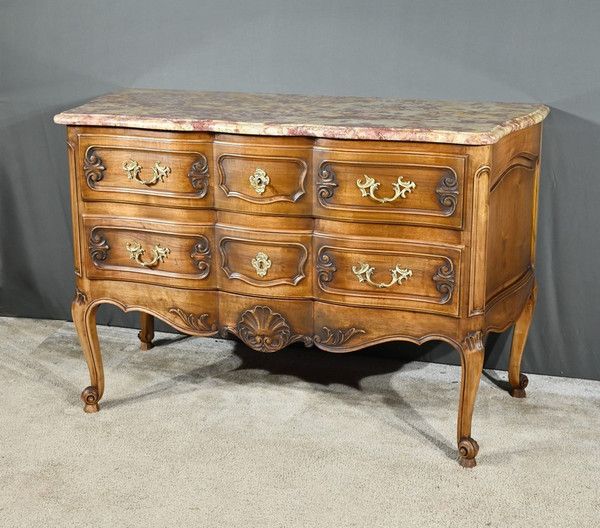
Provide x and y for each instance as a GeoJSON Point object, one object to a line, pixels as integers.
{"type": "Point", "coordinates": [335, 222]}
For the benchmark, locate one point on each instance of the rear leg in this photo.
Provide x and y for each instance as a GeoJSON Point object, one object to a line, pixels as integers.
{"type": "Point", "coordinates": [519, 381]}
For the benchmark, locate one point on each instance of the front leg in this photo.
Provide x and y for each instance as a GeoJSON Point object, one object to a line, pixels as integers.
{"type": "Point", "coordinates": [146, 334]}
{"type": "Point", "coordinates": [519, 381]}
{"type": "Point", "coordinates": [471, 358]}
{"type": "Point", "coordinates": [84, 318]}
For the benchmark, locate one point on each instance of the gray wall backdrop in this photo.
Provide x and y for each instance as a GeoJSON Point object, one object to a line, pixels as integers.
{"type": "Point", "coordinates": [58, 54]}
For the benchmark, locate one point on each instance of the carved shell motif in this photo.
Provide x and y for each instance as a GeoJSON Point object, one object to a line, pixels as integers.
{"type": "Point", "coordinates": [264, 330]}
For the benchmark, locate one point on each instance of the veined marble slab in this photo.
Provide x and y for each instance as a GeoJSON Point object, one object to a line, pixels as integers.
{"type": "Point", "coordinates": [467, 123]}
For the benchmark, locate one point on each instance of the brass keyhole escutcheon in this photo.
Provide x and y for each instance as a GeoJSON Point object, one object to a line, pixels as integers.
{"type": "Point", "coordinates": [261, 264]}
{"type": "Point", "coordinates": [259, 181]}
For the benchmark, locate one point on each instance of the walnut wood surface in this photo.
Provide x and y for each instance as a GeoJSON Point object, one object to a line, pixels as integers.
{"type": "Point", "coordinates": [466, 232]}
{"type": "Point", "coordinates": [146, 334]}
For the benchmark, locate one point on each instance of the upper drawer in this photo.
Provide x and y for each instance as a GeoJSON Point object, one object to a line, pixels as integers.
{"type": "Point", "coordinates": [263, 175]}
{"type": "Point", "coordinates": [173, 170]}
{"type": "Point", "coordinates": [402, 188]}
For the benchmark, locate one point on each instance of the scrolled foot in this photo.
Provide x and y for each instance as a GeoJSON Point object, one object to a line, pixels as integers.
{"type": "Point", "coordinates": [90, 397]}
{"type": "Point", "coordinates": [519, 392]}
{"type": "Point", "coordinates": [467, 449]}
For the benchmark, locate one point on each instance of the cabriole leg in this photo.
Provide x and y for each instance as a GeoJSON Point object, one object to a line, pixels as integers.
{"type": "Point", "coordinates": [471, 359]}
{"type": "Point", "coordinates": [146, 334]}
{"type": "Point", "coordinates": [519, 381]}
{"type": "Point", "coordinates": [84, 317]}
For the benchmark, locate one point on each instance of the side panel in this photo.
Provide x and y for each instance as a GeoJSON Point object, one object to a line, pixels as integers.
{"type": "Point", "coordinates": [512, 211]}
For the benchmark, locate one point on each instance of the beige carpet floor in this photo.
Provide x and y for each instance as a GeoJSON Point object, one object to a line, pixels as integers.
{"type": "Point", "coordinates": [204, 432]}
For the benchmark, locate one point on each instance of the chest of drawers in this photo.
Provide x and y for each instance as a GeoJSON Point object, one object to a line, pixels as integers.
{"type": "Point", "coordinates": [335, 222]}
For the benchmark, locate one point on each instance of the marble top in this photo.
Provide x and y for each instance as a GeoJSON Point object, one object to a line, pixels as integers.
{"type": "Point", "coordinates": [467, 123]}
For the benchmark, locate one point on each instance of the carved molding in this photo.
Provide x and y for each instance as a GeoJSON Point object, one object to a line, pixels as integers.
{"type": "Point", "coordinates": [198, 175]}
{"type": "Point", "coordinates": [264, 330]}
{"type": "Point", "coordinates": [337, 337]}
{"type": "Point", "coordinates": [474, 341]}
{"type": "Point", "coordinates": [97, 245]}
{"type": "Point", "coordinates": [479, 220]}
{"type": "Point", "coordinates": [93, 168]}
{"type": "Point", "coordinates": [80, 297]}
{"type": "Point", "coordinates": [195, 322]}
{"type": "Point", "coordinates": [325, 182]}
{"type": "Point", "coordinates": [325, 267]}
{"type": "Point", "coordinates": [201, 256]}
{"type": "Point", "coordinates": [447, 191]}
{"type": "Point", "coordinates": [524, 160]}
{"type": "Point", "coordinates": [444, 279]}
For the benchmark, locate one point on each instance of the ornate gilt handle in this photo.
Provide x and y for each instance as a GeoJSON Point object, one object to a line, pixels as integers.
{"type": "Point", "coordinates": [136, 251]}
{"type": "Point", "coordinates": [259, 181]}
{"type": "Point", "coordinates": [364, 271]}
{"type": "Point", "coordinates": [133, 169]}
{"type": "Point", "coordinates": [370, 186]}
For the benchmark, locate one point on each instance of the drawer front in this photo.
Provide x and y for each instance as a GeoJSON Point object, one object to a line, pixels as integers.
{"type": "Point", "coordinates": [270, 178]}
{"type": "Point", "coordinates": [263, 263]}
{"type": "Point", "coordinates": [141, 170]}
{"type": "Point", "coordinates": [410, 276]}
{"type": "Point", "coordinates": [416, 189]}
{"type": "Point", "coordinates": [152, 252]}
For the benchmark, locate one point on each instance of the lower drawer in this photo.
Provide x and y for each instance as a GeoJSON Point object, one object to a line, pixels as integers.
{"type": "Point", "coordinates": [406, 275]}
{"type": "Point", "coordinates": [152, 252]}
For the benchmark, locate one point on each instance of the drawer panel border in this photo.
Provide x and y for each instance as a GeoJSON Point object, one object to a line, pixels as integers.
{"type": "Point", "coordinates": [200, 254]}
{"type": "Point", "coordinates": [293, 281]}
{"type": "Point", "coordinates": [93, 168]}
{"type": "Point", "coordinates": [260, 199]}
{"type": "Point", "coordinates": [444, 278]}
{"type": "Point", "coordinates": [447, 189]}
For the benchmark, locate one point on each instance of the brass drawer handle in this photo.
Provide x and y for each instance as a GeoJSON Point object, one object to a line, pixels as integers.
{"type": "Point", "coordinates": [259, 181]}
{"type": "Point", "coordinates": [364, 271]}
{"type": "Point", "coordinates": [133, 169]}
{"type": "Point", "coordinates": [400, 188]}
{"type": "Point", "coordinates": [261, 263]}
{"type": "Point", "coordinates": [136, 251]}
